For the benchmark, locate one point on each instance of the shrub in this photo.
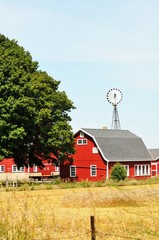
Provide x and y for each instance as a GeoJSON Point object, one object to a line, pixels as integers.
{"type": "Point", "coordinates": [118, 172]}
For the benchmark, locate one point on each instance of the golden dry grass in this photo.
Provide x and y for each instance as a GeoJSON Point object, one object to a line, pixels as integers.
{"type": "Point", "coordinates": [120, 213]}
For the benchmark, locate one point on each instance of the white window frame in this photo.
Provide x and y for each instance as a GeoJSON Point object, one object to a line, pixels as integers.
{"type": "Point", "coordinates": [72, 171]}
{"type": "Point", "coordinates": [127, 169]}
{"type": "Point", "coordinates": [56, 168]}
{"type": "Point", "coordinates": [82, 141]}
{"type": "Point", "coordinates": [142, 170]}
{"type": "Point", "coordinates": [93, 170]}
{"type": "Point", "coordinates": [94, 150]}
{"type": "Point", "coordinates": [2, 168]}
{"type": "Point", "coordinates": [35, 168]}
{"type": "Point", "coordinates": [15, 169]}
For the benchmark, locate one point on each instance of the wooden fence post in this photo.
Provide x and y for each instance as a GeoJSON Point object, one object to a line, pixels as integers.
{"type": "Point", "coordinates": [93, 233]}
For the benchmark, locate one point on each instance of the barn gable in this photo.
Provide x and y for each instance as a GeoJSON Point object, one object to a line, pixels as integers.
{"type": "Point", "coordinates": [154, 153]}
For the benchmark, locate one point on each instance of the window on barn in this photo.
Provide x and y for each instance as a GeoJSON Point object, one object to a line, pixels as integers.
{"type": "Point", "coordinates": [56, 168]}
{"type": "Point", "coordinates": [15, 169]}
{"type": "Point", "coordinates": [93, 170]}
{"type": "Point", "coordinates": [72, 171]}
{"type": "Point", "coordinates": [94, 150]}
{"type": "Point", "coordinates": [147, 170]}
{"type": "Point", "coordinates": [127, 169]}
{"type": "Point", "coordinates": [2, 168]}
{"type": "Point", "coordinates": [81, 134]}
{"type": "Point", "coordinates": [142, 170]}
{"type": "Point", "coordinates": [82, 141]}
{"type": "Point", "coordinates": [35, 168]}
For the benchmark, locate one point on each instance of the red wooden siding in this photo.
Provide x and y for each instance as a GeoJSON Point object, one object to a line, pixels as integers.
{"type": "Point", "coordinates": [83, 159]}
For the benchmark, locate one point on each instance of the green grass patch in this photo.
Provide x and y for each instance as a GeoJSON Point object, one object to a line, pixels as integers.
{"type": "Point", "coordinates": [57, 183]}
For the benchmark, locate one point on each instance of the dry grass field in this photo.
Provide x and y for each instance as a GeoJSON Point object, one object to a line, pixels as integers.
{"type": "Point", "coordinates": [128, 212]}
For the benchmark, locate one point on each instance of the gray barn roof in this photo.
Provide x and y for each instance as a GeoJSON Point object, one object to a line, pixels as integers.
{"type": "Point", "coordinates": [154, 153]}
{"type": "Point", "coordinates": [119, 145]}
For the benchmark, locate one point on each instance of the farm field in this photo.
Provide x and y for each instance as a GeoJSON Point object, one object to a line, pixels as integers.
{"type": "Point", "coordinates": [127, 212]}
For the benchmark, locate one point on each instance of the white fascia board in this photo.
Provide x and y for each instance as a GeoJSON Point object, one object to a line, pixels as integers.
{"type": "Point", "coordinates": [95, 143]}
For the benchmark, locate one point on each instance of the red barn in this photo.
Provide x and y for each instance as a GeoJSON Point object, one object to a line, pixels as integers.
{"type": "Point", "coordinates": [97, 150]}
{"type": "Point", "coordinates": [9, 171]}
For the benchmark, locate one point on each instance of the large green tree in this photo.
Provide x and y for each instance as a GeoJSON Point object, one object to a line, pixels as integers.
{"type": "Point", "coordinates": [34, 114]}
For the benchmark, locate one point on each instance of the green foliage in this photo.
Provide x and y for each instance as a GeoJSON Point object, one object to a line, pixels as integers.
{"type": "Point", "coordinates": [34, 114]}
{"type": "Point", "coordinates": [118, 172]}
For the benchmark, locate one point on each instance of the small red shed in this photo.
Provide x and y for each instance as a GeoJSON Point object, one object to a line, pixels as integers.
{"type": "Point", "coordinates": [155, 164]}
{"type": "Point", "coordinates": [97, 150]}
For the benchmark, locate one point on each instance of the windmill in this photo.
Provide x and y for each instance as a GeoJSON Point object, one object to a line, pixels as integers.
{"type": "Point", "coordinates": [114, 96]}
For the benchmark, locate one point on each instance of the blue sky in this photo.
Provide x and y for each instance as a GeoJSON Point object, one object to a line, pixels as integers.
{"type": "Point", "coordinates": [92, 46]}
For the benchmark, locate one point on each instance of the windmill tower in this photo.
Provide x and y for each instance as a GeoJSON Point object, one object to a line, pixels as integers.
{"type": "Point", "coordinates": [114, 96]}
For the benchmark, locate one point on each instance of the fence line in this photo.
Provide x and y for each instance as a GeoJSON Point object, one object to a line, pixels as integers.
{"type": "Point", "coordinates": [93, 234]}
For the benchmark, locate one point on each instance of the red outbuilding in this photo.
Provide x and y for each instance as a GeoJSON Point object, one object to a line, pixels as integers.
{"type": "Point", "coordinates": [155, 164]}
{"type": "Point", "coordinates": [9, 171]}
{"type": "Point", "coordinates": [97, 150]}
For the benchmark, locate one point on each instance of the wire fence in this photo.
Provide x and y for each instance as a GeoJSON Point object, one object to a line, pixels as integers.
{"type": "Point", "coordinates": [92, 234]}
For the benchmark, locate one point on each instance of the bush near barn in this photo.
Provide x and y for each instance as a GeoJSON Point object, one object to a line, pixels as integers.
{"type": "Point", "coordinates": [118, 172]}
